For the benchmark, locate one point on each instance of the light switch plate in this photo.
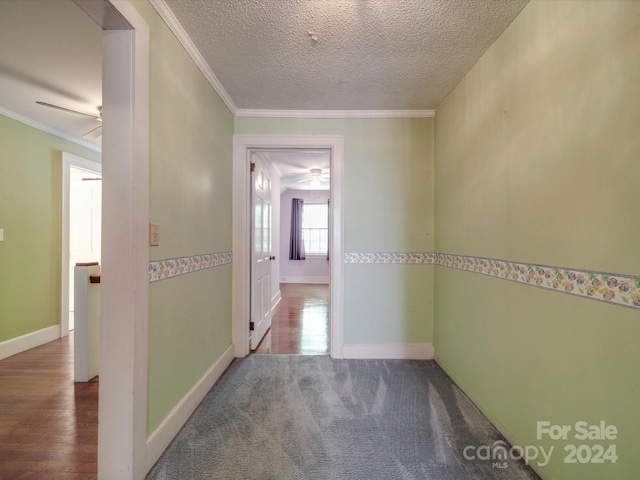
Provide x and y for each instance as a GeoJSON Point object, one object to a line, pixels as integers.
{"type": "Point", "coordinates": [154, 234]}
{"type": "Point", "coordinates": [1, 234]}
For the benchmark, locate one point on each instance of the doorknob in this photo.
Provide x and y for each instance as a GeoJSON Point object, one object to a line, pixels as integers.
{"type": "Point", "coordinates": [273, 257]}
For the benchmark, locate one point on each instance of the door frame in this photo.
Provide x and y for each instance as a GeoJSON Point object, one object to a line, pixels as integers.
{"type": "Point", "coordinates": [124, 290]}
{"type": "Point", "coordinates": [69, 160]}
{"type": "Point", "coordinates": [243, 145]}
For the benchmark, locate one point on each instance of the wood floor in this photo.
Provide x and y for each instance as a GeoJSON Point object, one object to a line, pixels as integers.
{"type": "Point", "coordinates": [300, 323]}
{"type": "Point", "coordinates": [48, 424]}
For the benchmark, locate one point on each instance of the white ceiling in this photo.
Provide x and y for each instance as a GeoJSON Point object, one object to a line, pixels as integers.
{"type": "Point", "coordinates": [50, 51]}
{"type": "Point", "coordinates": [261, 55]}
{"type": "Point", "coordinates": [293, 166]}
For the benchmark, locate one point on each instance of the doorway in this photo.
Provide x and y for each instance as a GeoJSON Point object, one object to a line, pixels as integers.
{"type": "Point", "coordinates": [298, 245]}
{"type": "Point", "coordinates": [245, 147]}
{"type": "Point", "coordinates": [81, 226]}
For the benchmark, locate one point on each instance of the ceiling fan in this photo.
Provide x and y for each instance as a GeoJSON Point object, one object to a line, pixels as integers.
{"type": "Point", "coordinates": [315, 175]}
{"type": "Point", "coordinates": [94, 133]}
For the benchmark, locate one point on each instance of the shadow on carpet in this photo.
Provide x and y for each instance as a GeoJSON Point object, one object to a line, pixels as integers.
{"type": "Point", "coordinates": [286, 417]}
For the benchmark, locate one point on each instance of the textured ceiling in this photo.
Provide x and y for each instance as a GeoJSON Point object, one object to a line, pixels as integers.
{"type": "Point", "coordinates": [342, 54]}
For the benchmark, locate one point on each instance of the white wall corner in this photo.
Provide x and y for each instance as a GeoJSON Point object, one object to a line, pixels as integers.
{"type": "Point", "coordinates": [31, 340]}
{"type": "Point", "coordinates": [314, 280]}
{"type": "Point", "coordinates": [391, 351]}
{"type": "Point", "coordinates": [161, 437]}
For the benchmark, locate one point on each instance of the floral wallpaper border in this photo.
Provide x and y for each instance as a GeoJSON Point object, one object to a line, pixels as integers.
{"type": "Point", "coordinates": [611, 288]}
{"type": "Point", "coordinates": [391, 257]}
{"type": "Point", "coordinates": [173, 267]}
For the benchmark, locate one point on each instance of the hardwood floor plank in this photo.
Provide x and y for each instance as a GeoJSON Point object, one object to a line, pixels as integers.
{"type": "Point", "coordinates": [48, 423]}
{"type": "Point", "coordinates": [300, 323]}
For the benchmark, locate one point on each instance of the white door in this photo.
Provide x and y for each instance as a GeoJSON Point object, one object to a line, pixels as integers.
{"type": "Point", "coordinates": [260, 253]}
{"type": "Point", "coordinates": [85, 216]}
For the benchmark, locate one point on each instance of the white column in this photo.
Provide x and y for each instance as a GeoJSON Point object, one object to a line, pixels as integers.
{"type": "Point", "coordinates": [125, 251]}
{"type": "Point", "coordinates": [86, 338]}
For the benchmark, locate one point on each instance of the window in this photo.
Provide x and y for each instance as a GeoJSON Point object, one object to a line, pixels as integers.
{"type": "Point", "coordinates": [315, 228]}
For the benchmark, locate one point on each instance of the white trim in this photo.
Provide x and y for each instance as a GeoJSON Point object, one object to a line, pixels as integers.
{"type": "Point", "coordinates": [124, 312]}
{"type": "Point", "coordinates": [86, 338]}
{"type": "Point", "coordinates": [161, 437]}
{"type": "Point", "coordinates": [246, 112]}
{"type": "Point", "coordinates": [174, 25]}
{"type": "Point", "coordinates": [68, 160]}
{"type": "Point", "coordinates": [314, 280]}
{"type": "Point", "coordinates": [243, 144]}
{"type": "Point", "coordinates": [49, 130]}
{"type": "Point", "coordinates": [398, 351]}
{"type": "Point", "coordinates": [20, 344]}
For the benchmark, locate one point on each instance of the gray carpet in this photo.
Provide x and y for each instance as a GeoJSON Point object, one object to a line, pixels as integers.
{"type": "Point", "coordinates": [287, 417]}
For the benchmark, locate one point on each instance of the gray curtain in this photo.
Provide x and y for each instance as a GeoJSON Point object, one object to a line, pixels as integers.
{"type": "Point", "coordinates": [296, 250]}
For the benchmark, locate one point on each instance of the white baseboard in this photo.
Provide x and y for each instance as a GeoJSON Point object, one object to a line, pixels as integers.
{"type": "Point", "coordinates": [304, 280]}
{"type": "Point", "coordinates": [20, 344]}
{"type": "Point", "coordinates": [398, 351]}
{"type": "Point", "coordinates": [160, 438]}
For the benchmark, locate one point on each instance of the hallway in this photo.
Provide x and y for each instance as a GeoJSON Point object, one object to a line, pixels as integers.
{"type": "Point", "coordinates": [48, 423]}
{"type": "Point", "coordinates": [300, 323]}
{"type": "Point", "coordinates": [311, 417]}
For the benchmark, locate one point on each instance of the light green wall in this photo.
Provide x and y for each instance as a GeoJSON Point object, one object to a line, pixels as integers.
{"type": "Point", "coordinates": [30, 214]}
{"type": "Point", "coordinates": [538, 160]}
{"type": "Point", "coordinates": [191, 139]}
{"type": "Point", "coordinates": [388, 207]}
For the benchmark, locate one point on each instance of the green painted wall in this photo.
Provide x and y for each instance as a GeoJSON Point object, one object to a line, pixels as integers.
{"type": "Point", "coordinates": [537, 159]}
{"type": "Point", "coordinates": [388, 207]}
{"type": "Point", "coordinates": [191, 140]}
{"type": "Point", "coordinates": [30, 214]}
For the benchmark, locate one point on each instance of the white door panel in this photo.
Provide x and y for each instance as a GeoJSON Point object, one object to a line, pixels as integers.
{"type": "Point", "coordinates": [261, 254]}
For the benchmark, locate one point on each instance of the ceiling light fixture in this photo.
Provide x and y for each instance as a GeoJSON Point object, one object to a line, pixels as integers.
{"type": "Point", "coordinates": [93, 133]}
{"type": "Point", "coordinates": [315, 177]}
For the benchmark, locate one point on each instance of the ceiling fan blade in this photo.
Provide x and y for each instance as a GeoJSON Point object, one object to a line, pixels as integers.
{"type": "Point", "coordinates": [57, 107]}
{"type": "Point", "coordinates": [95, 133]}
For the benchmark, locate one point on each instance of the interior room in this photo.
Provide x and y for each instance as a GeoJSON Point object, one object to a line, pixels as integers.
{"type": "Point", "coordinates": [479, 162]}
{"type": "Point", "coordinates": [299, 296]}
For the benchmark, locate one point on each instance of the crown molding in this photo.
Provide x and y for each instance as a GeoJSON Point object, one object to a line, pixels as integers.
{"type": "Point", "coordinates": [49, 130]}
{"type": "Point", "coordinates": [244, 112]}
{"type": "Point", "coordinates": [174, 25]}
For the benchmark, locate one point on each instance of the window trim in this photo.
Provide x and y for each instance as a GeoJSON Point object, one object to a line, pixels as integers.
{"type": "Point", "coordinates": [312, 255]}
